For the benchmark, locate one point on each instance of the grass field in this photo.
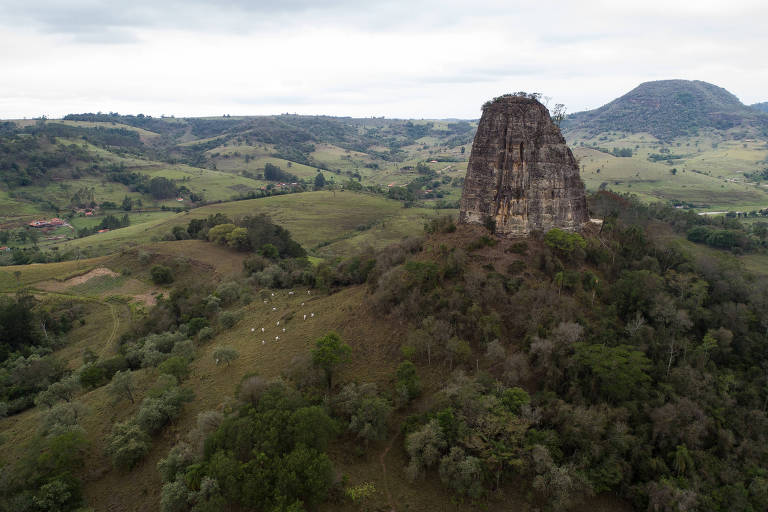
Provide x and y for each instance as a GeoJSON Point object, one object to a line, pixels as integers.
{"type": "Point", "coordinates": [18, 276]}
{"type": "Point", "coordinates": [707, 170]}
{"type": "Point", "coordinates": [326, 223]}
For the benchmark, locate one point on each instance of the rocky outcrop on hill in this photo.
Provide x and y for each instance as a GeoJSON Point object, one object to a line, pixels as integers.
{"type": "Point", "coordinates": [521, 173]}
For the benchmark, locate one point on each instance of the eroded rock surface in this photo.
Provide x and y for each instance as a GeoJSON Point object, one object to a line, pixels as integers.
{"type": "Point", "coordinates": [521, 173]}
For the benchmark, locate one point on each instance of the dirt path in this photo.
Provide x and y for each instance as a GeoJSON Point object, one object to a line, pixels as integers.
{"type": "Point", "coordinates": [384, 472]}
{"type": "Point", "coordinates": [115, 327]}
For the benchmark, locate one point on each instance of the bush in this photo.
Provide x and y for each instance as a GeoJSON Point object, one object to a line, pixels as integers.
{"type": "Point", "coordinates": [176, 366]}
{"type": "Point", "coordinates": [564, 242]}
{"type": "Point", "coordinates": [196, 325]}
{"type": "Point", "coordinates": [174, 497]}
{"type": "Point", "coordinates": [408, 385]}
{"type": "Point", "coordinates": [228, 319]}
{"type": "Point", "coordinates": [205, 334]}
{"type": "Point", "coordinates": [161, 275]}
{"type": "Point", "coordinates": [127, 445]}
{"type": "Point", "coordinates": [224, 355]}
{"type": "Point", "coordinates": [93, 376]}
{"type": "Point", "coordinates": [518, 248]}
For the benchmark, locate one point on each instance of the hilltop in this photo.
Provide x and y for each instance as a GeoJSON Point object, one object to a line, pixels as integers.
{"type": "Point", "coordinates": [670, 108]}
{"type": "Point", "coordinates": [761, 106]}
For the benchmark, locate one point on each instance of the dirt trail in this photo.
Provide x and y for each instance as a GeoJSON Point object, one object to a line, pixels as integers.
{"type": "Point", "coordinates": [115, 327]}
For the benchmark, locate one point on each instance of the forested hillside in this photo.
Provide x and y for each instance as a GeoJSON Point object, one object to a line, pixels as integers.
{"type": "Point", "coordinates": [620, 368]}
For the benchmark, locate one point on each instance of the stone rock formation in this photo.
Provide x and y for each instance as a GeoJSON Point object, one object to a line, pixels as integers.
{"type": "Point", "coordinates": [521, 173]}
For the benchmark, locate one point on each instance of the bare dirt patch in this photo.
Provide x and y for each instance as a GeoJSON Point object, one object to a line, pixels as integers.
{"type": "Point", "coordinates": [57, 286]}
{"type": "Point", "coordinates": [148, 298]}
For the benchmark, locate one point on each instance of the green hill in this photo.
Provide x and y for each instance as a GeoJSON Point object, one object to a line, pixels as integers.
{"type": "Point", "coordinates": [761, 106]}
{"type": "Point", "coordinates": [670, 108]}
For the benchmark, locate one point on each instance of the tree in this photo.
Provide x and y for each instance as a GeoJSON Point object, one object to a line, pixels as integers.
{"type": "Point", "coordinates": [93, 376]}
{"type": "Point", "coordinates": [369, 421]}
{"type": "Point", "coordinates": [219, 233]}
{"type": "Point", "coordinates": [238, 239]}
{"type": "Point", "coordinates": [462, 473]}
{"type": "Point", "coordinates": [558, 113]}
{"type": "Point", "coordinates": [162, 188]}
{"type": "Point", "coordinates": [174, 497]}
{"type": "Point", "coordinates": [127, 204]}
{"type": "Point", "coordinates": [127, 445]}
{"type": "Point", "coordinates": [176, 366]}
{"type": "Point", "coordinates": [563, 241]}
{"type": "Point", "coordinates": [319, 181]}
{"type": "Point", "coordinates": [619, 372]}
{"type": "Point", "coordinates": [225, 355]}
{"type": "Point", "coordinates": [424, 447]}
{"type": "Point", "coordinates": [161, 274]}
{"type": "Point", "coordinates": [122, 386]}
{"type": "Point", "coordinates": [408, 384]}
{"type": "Point", "coordinates": [269, 251]}
{"type": "Point", "coordinates": [65, 390]}
{"type": "Point", "coordinates": [330, 353]}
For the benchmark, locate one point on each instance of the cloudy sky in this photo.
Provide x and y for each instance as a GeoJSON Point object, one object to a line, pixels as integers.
{"type": "Point", "coordinates": [415, 58]}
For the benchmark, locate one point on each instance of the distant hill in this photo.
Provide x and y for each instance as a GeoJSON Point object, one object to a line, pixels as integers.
{"type": "Point", "coordinates": [668, 109]}
{"type": "Point", "coordinates": [761, 106]}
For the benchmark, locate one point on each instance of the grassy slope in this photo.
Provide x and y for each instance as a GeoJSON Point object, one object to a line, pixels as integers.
{"type": "Point", "coordinates": [312, 217]}
{"type": "Point", "coordinates": [710, 169]}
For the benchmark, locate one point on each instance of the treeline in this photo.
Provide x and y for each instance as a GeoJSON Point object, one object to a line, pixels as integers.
{"type": "Point", "coordinates": [274, 173]}
{"type": "Point", "coordinates": [153, 124]}
{"type": "Point", "coordinates": [250, 234]}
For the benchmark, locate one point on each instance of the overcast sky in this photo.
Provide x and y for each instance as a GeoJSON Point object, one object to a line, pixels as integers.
{"type": "Point", "coordinates": [413, 59]}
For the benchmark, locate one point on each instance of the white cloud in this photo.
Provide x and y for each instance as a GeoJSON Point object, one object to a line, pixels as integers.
{"type": "Point", "coordinates": [414, 59]}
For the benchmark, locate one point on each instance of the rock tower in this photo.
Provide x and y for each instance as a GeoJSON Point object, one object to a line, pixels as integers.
{"type": "Point", "coordinates": [521, 173]}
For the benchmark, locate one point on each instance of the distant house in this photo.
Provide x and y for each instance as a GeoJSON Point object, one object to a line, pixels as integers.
{"type": "Point", "coordinates": [102, 231]}
{"type": "Point", "coordinates": [88, 214]}
{"type": "Point", "coordinates": [5, 249]}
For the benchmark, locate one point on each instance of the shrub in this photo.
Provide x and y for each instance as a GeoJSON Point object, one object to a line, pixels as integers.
{"type": "Point", "coordinates": [518, 248]}
{"type": "Point", "coordinates": [113, 365]}
{"type": "Point", "coordinates": [166, 405]}
{"type": "Point", "coordinates": [174, 497]}
{"type": "Point", "coordinates": [176, 366]}
{"type": "Point", "coordinates": [205, 334]}
{"type": "Point", "coordinates": [127, 445]}
{"type": "Point", "coordinates": [161, 275]}
{"type": "Point", "coordinates": [228, 319]}
{"type": "Point", "coordinates": [564, 242]}
{"type": "Point", "coordinates": [93, 376]}
{"type": "Point", "coordinates": [121, 386]}
{"type": "Point", "coordinates": [224, 355]}
{"type": "Point", "coordinates": [196, 325]}
{"type": "Point", "coordinates": [408, 385]}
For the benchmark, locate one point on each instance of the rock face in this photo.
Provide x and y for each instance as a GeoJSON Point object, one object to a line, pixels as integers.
{"type": "Point", "coordinates": [521, 173]}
